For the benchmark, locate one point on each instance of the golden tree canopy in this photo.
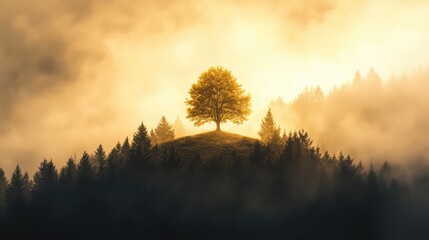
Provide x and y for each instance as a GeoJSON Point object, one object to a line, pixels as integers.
{"type": "Point", "coordinates": [217, 97]}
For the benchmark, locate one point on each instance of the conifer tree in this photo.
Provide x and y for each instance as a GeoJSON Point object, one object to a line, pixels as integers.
{"type": "Point", "coordinates": [3, 186]}
{"type": "Point", "coordinates": [113, 161]}
{"type": "Point", "coordinates": [68, 175]}
{"type": "Point", "coordinates": [269, 131]}
{"type": "Point", "coordinates": [17, 191]}
{"type": "Point", "coordinates": [85, 172]}
{"type": "Point", "coordinates": [163, 132]}
{"type": "Point", "coordinates": [153, 137]}
{"type": "Point", "coordinates": [29, 184]}
{"type": "Point", "coordinates": [100, 160]}
{"type": "Point", "coordinates": [385, 175]}
{"type": "Point", "coordinates": [140, 147]}
{"type": "Point", "coordinates": [347, 171]}
{"type": "Point", "coordinates": [117, 148]}
{"type": "Point", "coordinates": [125, 153]}
{"type": "Point", "coordinates": [179, 128]}
{"type": "Point", "coordinates": [46, 178]}
{"type": "Point", "coordinates": [372, 182]}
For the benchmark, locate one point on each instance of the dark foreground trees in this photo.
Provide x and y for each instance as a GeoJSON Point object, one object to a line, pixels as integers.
{"type": "Point", "coordinates": [303, 194]}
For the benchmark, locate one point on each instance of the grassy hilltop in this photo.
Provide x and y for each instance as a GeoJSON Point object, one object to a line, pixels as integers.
{"type": "Point", "coordinates": [210, 145]}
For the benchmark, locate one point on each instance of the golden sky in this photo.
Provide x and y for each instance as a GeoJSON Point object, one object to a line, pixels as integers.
{"type": "Point", "coordinates": [74, 74]}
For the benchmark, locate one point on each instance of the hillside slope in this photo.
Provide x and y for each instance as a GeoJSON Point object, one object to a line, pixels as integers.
{"type": "Point", "coordinates": [211, 145]}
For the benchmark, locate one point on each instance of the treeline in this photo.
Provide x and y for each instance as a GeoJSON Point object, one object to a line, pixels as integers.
{"type": "Point", "coordinates": [285, 189]}
{"type": "Point", "coordinates": [368, 117]}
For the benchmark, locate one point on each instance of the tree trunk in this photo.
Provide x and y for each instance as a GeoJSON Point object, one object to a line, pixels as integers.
{"type": "Point", "coordinates": [217, 126]}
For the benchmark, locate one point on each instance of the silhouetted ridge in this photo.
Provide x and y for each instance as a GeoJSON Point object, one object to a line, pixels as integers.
{"type": "Point", "coordinates": [213, 185]}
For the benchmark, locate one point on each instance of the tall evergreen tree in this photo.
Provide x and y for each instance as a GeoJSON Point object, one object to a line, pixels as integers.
{"type": "Point", "coordinates": [44, 189]}
{"type": "Point", "coordinates": [269, 131]}
{"type": "Point", "coordinates": [68, 175]}
{"type": "Point", "coordinates": [99, 161]}
{"type": "Point", "coordinates": [385, 172]}
{"type": "Point", "coordinates": [113, 161]}
{"type": "Point", "coordinates": [125, 153]}
{"type": "Point", "coordinates": [292, 151]}
{"type": "Point", "coordinates": [140, 147]}
{"type": "Point", "coordinates": [17, 191]}
{"type": "Point", "coordinates": [46, 178]}
{"type": "Point", "coordinates": [372, 185]}
{"type": "Point", "coordinates": [347, 171]}
{"type": "Point", "coordinates": [163, 132]}
{"type": "Point", "coordinates": [85, 171]}
{"type": "Point", "coordinates": [3, 186]}
{"type": "Point", "coordinates": [29, 185]}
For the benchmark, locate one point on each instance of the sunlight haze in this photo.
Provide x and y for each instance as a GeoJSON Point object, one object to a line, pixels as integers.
{"type": "Point", "coordinates": [77, 74]}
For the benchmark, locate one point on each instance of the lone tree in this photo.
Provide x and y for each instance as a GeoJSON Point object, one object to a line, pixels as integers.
{"type": "Point", "coordinates": [217, 97]}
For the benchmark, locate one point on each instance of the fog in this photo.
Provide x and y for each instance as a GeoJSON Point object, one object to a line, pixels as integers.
{"type": "Point", "coordinates": [374, 121]}
{"type": "Point", "coordinates": [80, 73]}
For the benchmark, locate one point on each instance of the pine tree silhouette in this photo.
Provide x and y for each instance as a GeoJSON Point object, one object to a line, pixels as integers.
{"type": "Point", "coordinates": [140, 148]}
{"type": "Point", "coordinates": [44, 191]}
{"type": "Point", "coordinates": [100, 161]}
{"type": "Point", "coordinates": [46, 178]}
{"type": "Point", "coordinates": [3, 186]}
{"type": "Point", "coordinates": [114, 163]}
{"type": "Point", "coordinates": [125, 153]}
{"type": "Point", "coordinates": [18, 190]}
{"type": "Point", "coordinates": [85, 172]}
{"type": "Point", "coordinates": [68, 175]}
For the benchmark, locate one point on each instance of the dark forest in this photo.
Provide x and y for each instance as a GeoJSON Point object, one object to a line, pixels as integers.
{"type": "Point", "coordinates": [278, 189]}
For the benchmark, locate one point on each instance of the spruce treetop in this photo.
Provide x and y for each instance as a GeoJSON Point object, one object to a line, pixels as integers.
{"type": "Point", "coordinates": [269, 130]}
{"type": "Point", "coordinates": [163, 132]}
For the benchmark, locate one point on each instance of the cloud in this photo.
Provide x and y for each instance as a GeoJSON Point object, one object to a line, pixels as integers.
{"type": "Point", "coordinates": [371, 120]}
{"type": "Point", "coordinates": [307, 12]}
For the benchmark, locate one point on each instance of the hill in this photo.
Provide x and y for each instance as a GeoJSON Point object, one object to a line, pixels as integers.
{"type": "Point", "coordinates": [211, 145]}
